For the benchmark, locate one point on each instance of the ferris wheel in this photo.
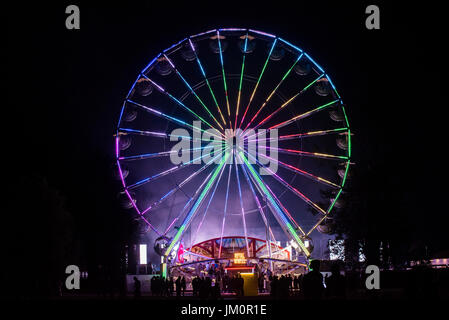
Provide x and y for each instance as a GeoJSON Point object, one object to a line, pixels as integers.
{"type": "Point", "coordinates": [233, 132]}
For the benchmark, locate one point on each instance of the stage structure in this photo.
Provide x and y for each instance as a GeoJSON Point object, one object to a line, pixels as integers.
{"type": "Point", "coordinates": [233, 134]}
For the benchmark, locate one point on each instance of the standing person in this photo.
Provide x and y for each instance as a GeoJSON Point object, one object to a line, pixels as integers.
{"type": "Point", "coordinates": [260, 282]}
{"type": "Point", "coordinates": [240, 282]}
{"type": "Point", "coordinates": [178, 286]}
{"type": "Point", "coordinates": [195, 286]}
{"type": "Point", "coordinates": [183, 285]}
{"type": "Point", "coordinates": [336, 284]}
{"type": "Point", "coordinates": [313, 281]}
{"type": "Point", "coordinates": [137, 292]}
{"type": "Point", "coordinates": [170, 286]}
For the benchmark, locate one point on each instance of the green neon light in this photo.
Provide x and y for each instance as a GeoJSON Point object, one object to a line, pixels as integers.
{"type": "Point", "coordinates": [210, 88]}
{"type": "Point", "coordinates": [346, 173]}
{"type": "Point", "coordinates": [263, 70]}
{"type": "Point", "coordinates": [198, 202]}
{"type": "Point", "coordinates": [224, 77]}
{"type": "Point", "coordinates": [349, 143]}
{"type": "Point", "coordinates": [241, 82]}
{"type": "Point", "coordinates": [308, 86]}
{"type": "Point", "coordinates": [335, 200]}
{"type": "Point", "coordinates": [215, 100]}
{"type": "Point", "coordinates": [201, 101]}
{"type": "Point", "coordinates": [291, 229]}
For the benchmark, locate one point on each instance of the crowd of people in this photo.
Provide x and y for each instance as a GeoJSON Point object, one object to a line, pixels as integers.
{"type": "Point", "coordinates": [312, 285]}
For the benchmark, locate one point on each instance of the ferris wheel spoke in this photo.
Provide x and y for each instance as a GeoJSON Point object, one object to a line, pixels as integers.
{"type": "Point", "coordinates": [258, 81]}
{"type": "Point", "coordinates": [191, 214]}
{"type": "Point", "coordinates": [241, 80]}
{"type": "Point", "coordinates": [207, 207]}
{"type": "Point", "coordinates": [180, 185]}
{"type": "Point", "coordinates": [289, 187]}
{"type": "Point", "coordinates": [140, 214]}
{"type": "Point", "coordinates": [207, 82]}
{"type": "Point", "coordinates": [256, 199]}
{"type": "Point", "coordinates": [224, 212]}
{"type": "Point", "coordinates": [151, 226]}
{"type": "Point", "coordinates": [278, 211]}
{"type": "Point", "coordinates": [161, 135]}
{"type": "Point", "coordinates": [287, 102]}
{"type": "Point", "coordinates": [278, 201]}
{"type": "Point", "coordinates": [298, 135]}
{"type": "Point", "coordinates": [224, 78]}
{"type": "Point", "coordinates": [168, 94]}
{"type": "Point", "coordinates": [273, 92]}
{"type": "Point", "coordinates": [159, 154]}
{"type": "Point", "coordinates": [164, 173]}
{"type": "Point", "coordinates": [241, 206]}
{"type": "Point", "coordinates": [303, 115]}
{"type": "Point", "coordinates": [302, 172]}
{"type": "Point", "coordinates": [193, 92]}
{"type": "Point", "coordinates": [309, 154]}
{"type": "Point", "coordinates": [192, 198]}
{"type": "Point", "coordinates": [167, 117]}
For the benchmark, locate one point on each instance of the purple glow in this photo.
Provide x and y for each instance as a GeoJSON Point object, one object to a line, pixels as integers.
{"type": "Point", "coordinates": [262, 33]}
{"type": "Point", "coordinates": [203, 33]}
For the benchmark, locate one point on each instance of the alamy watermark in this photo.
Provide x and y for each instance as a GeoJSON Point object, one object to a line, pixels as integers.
{"type": "Point", "coordinates": [372, 22]}
{"type": "Point", "coordinates": [73, 19]}
{"type": "Point", "coordinates": [258, 147]}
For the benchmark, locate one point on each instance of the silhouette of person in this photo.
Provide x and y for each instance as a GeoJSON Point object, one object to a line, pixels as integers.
{"type": "Point", "coordinates": [136, 288]}
{"type": "Point", "coordinates": [170, 286]}
{"type": "Point", "coordinates": [313, 281]}
{"type": "Point", "coordinates": [183, 285]}
{"type": "Point", "coordinates": [178, 286]}
{"type": "Point", "coordinates": [336, 284]}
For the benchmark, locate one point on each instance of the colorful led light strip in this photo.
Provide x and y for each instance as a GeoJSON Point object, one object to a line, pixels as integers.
{"type": "Point", "coordinates": [275, 198]}
{"type": "Point", "coordinates": [289, 44]}
{"type": "Point", "coordinates": [180, 185]}
{"type": "Point", "coordinates": [291, 188]}
{"type": "Point", "coordinates": [193, 91]}
{"type": "Point", "coordinates": [166, 116]}
{"type": "Point", "coordinates": [287, 102]}
{"type": "Point", "coordinates": [241, 206]}
{"type": "Point", "coordinates": [224, 78]}
{"type": "Point", "coordinates": [256, 199]}
{"type": "Point", "coordinates": [197, 191]}
{"type": "Point", "coordinates": [310, 154]}
{"type": "Point", "coordinates": [301, 172]}
{"type": "Point", "coordinates": [157, 134]}
{"type": "Point", "coordinates": [194, 209]}
{"type": "Point", "coordinates": [130, 198]}
{"type": "Point", "coordinates": [207, 207]}
{"type": "Point", "coordinates": [273, 92]}
{"type": "Point", "coordinates": [159, 154]}
{"type": "Point", "coordinates": [207, 82]}
{"type": "Point", "coordinates": [203, 33]}
{"type": "Point", "coordinates": [241, 81]}
{"type": "Point", "coordinates": [258, 81]}
{"type": "Point", "coordinates": [299, 135]}
{"type": "Point", "coordinates": [311, 134]}
{"type": "Point", "coordinates": [302, 116]}
{"type": "Point", "coordinates": [163, 173]}
{"type": "Point", "coordinates": [179, 102]}
{"type": "Point", "coordinates": [275, 206]}
{"type": "Point", "coordinates": [224, 212]}
{"type": "Point", "coordinates": [313, 61]}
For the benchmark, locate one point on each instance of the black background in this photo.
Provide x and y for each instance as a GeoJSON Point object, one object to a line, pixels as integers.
{"type": "Point", "coordinates": [65, 87]}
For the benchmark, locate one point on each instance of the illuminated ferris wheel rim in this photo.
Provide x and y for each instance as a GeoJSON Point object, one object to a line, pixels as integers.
{"type": "Point", "coordinates": [247, 168]}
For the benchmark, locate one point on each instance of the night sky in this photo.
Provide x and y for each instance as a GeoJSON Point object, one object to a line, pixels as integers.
{"type": "Point", "coordinates": [65, 87]}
